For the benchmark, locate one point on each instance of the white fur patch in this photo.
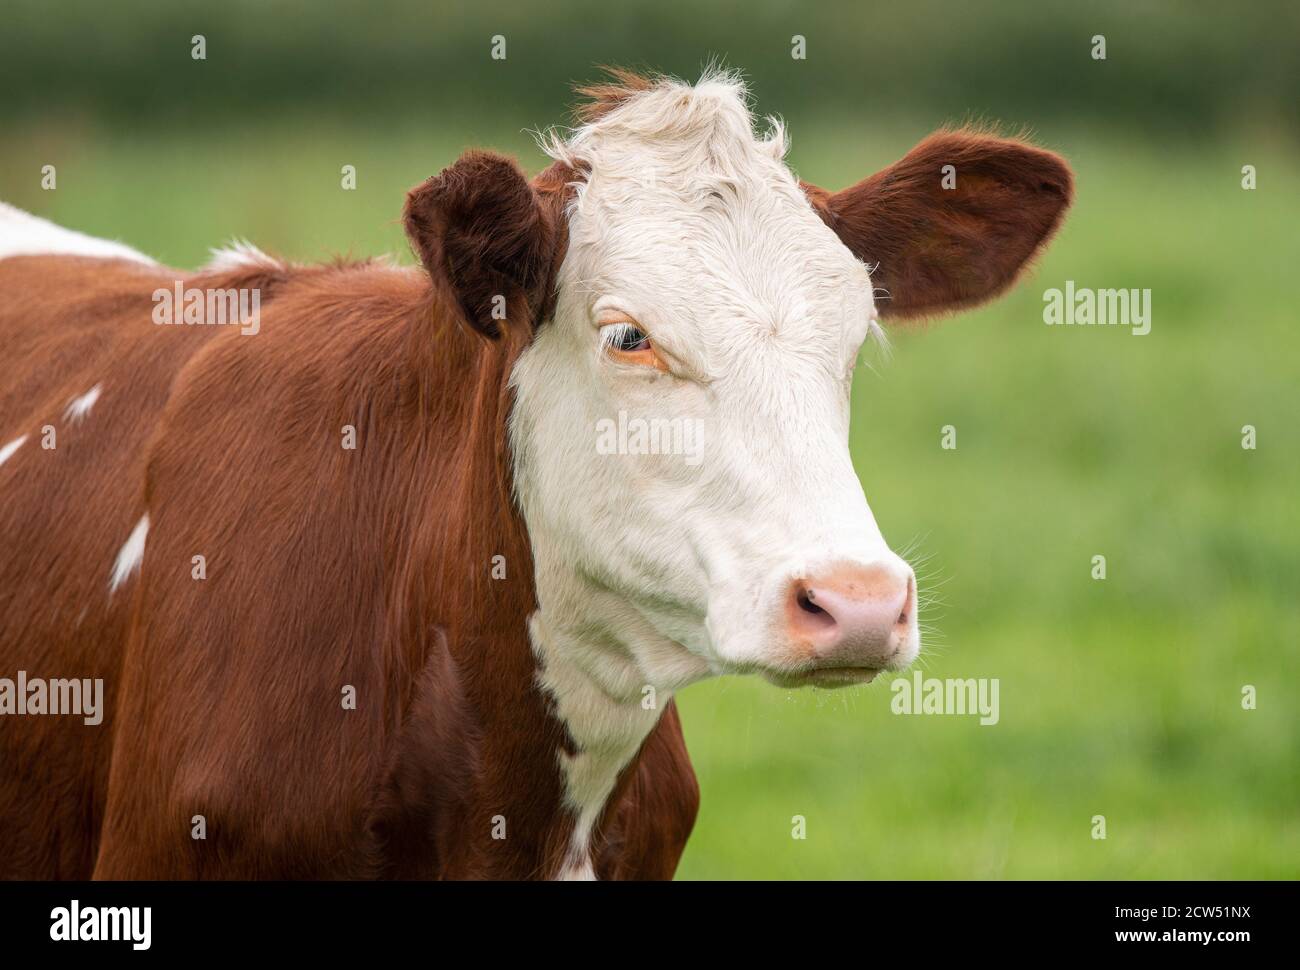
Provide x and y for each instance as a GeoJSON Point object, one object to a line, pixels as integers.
{"type": "Point", "coordinates": [598, 697]}
{"type": "Point", "coordinates": [23, 234]}
{"type": "Point", "coordinates": [131, 555]}
{"type": "Point", "coordinates": [237, 254]}
{"type": "Point", "coordinates": [79, 407]}
{"type": "Point", "coordinates": [8, 450]}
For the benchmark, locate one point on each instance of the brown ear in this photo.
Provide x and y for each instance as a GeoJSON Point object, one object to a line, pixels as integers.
{"type": "Point", "coordinates": [935, 249]}
{"type": "Point", "coordinates": [480, 226]}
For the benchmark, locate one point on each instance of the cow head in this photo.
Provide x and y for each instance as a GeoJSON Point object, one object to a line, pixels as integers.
{"type": "Point", "coordinates": [680, 425]}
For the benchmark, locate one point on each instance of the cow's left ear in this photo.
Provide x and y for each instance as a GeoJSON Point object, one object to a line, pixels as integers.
{"type": "Point", "coordinates": [481, 226]}
{"type": "Point", "coordinates": [940, 239]}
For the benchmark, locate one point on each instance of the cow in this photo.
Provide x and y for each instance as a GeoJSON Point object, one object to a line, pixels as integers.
{"type": "Point", "coordinates": [367, 596]}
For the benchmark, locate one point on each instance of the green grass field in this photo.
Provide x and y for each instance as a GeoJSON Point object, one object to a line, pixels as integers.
{"type": "Point", "coordinates": [1119, 697]}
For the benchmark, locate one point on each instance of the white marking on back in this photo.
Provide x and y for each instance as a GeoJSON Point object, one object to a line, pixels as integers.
{"type": "Point", "coordinates": [238, 254]}
{"type": "Point", "coordinates": [79, 407]}
{"type": "Point", "coordinates": [131, 554]}
{"type": "Point", "coordinates": [23, 234]}
{"type": "Point", "coordinates": [7, 451]}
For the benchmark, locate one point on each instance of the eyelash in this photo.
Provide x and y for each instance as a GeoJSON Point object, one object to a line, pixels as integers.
{"type": "Point", "coordinates": [625, 337]}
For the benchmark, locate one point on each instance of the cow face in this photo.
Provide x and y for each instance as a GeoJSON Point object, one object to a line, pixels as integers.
{"type": "Point", "coordinates": [680, 427]}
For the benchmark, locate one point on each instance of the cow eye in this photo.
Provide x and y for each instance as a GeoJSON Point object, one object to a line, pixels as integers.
{"type": "Point", "coordinates": [625, 337]}
{"type": "Point", "coordinates": [623, 340]}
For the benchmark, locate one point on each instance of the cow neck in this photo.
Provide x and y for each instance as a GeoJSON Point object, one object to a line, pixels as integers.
{"type": "Point", "coordinates": [554, 741]}
{"type": "Point", "coordinates": [473, 590]}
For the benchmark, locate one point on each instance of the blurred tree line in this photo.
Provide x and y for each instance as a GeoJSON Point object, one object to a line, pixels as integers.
{"type": "Point", "coordinates": [1190, 67]}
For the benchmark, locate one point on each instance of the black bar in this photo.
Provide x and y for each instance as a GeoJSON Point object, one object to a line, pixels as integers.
{"type": "Point", "coordinates": [438, 919]}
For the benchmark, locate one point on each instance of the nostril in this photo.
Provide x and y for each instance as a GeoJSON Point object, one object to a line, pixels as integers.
{"type": "Point", "coordinates": [808, 615]}
{"type": "Point", "coordinates": [909, 603]}
{"type": "Point", "coordinates": [805, 601]}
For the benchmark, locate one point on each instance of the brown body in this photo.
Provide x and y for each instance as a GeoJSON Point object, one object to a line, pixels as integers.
{"type": "Point", "coordinates": [325, 568]}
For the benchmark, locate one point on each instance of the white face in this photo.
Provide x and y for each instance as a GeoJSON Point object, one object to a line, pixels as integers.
{"type": "Point", "coordinates": [680, 428]}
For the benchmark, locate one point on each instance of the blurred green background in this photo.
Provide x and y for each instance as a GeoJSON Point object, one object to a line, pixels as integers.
{"type": "Point", "coordinates": [1119, 697]}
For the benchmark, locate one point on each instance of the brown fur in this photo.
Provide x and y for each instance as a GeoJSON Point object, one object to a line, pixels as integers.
{"type": "Point", "coordinates": [934, 250]}
{"type": "Point", "coordinates": [490, 233]}
{"type": "Point", "coordinates": [619, 85]}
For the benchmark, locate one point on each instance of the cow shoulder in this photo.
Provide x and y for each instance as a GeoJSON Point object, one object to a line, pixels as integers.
{"type": "Point", "coordinates": [259, 678]}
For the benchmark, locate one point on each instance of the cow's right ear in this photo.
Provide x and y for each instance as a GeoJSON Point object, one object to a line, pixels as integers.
{"type": "Point", "coordinates": [481, 227]}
